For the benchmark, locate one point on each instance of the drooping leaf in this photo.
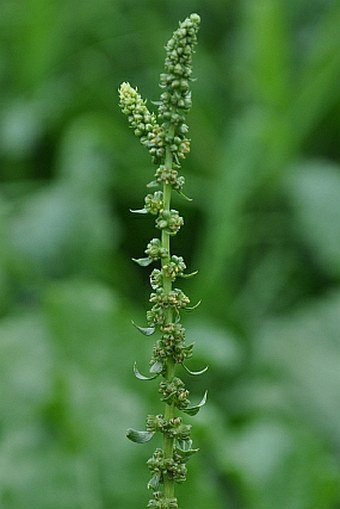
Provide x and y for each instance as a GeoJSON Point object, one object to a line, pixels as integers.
{"type": "Point", "coordinates": [191, 274]}
{"type": "Point", "coordinates": [139, 211]}
{"type": "Point", "coordinates": [195, 373]}
{"type": "Point", "coordinates": [147, 331]}
{"type": "Point", "coordinates": [139, 437]}
{"type": "Point", "coordinates": [191, 308]}
{"type": "Point", "coordinates": [142, 262]}
{"type": "Point", "coordinates": [142, 377]}
{"type": "Point", "coordinates": [184, 196]}
{"type": "Point", "coordinates": [194, 409]}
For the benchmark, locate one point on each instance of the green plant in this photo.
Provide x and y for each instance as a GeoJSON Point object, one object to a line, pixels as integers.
{"type": "Point", "coordinates": [165, 136]}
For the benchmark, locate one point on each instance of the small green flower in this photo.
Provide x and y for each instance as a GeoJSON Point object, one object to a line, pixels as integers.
{"type": "Point", "coordinates": [169, 220]}
{"type": "Point", "coordinates": [154, 203]}
{"type": "Point", "coordinates": [155, 250]}
{"type": "Point", "coordinates": [174, 391]}
{"type": "Point", "coordinates": [174, 268]}
{"type": "Point", "coordinates": [169, 176]}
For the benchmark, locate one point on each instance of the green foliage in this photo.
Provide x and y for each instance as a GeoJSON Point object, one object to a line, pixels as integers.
{"type": "Point", "coordinates": [264, 235]}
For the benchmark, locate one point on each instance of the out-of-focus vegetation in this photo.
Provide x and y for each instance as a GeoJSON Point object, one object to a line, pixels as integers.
{"type": "Point", "coordinates": [263, 230]}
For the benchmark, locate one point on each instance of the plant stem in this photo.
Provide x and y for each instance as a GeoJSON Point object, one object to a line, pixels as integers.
{"type": "Point", "coordinates": [168, 442]}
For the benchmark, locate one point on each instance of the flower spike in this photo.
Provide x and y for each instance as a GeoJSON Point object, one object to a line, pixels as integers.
{"type": "Point", "coordinates": [165, 135]}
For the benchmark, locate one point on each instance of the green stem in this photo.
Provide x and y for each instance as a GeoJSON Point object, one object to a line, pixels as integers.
{"type": "Point", "coordinates": [168, 443]}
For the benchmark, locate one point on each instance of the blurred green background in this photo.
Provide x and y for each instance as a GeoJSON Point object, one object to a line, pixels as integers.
{"type": "Point", "coordinates": [263, 230]}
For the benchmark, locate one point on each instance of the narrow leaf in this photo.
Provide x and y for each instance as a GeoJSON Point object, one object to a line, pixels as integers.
{"type": "Point", "coordinates": [143, 262]}
{"type": "Point", "coordinates": [139, 211]}
{"type": "Point", "coordinates": [195, 373]}
{"type": "Point", "coordinates": [147, 331]}
{"type": "Point", "coordinates": [184, 196]}
{"type": "Point", "coordinates": [194, 409]}
{"type": "Point", "coordinates": [139, 437]}
{"type": "Point", "coordinates": [140, 376]}
{"type": "Point", "coordinates": [191, 308]}
{"type": "Point", "coordinates": [191, 274]}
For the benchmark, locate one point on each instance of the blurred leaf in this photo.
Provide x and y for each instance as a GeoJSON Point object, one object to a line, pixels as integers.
{"type": "Point", "coordinates": [215, 346]}
{"type": "Point", "coordinates": [25, 368]}
{"type": "Point", "coordinates": [314, 189]}
{"type": "Point", "coordinates": [53, 225]}
{"type": "Point", "coordinates": [279, 464]}
{"type": "Point", "coordinates": [20, 129]}
{"type": "Point", "coordinates": [302, 351]}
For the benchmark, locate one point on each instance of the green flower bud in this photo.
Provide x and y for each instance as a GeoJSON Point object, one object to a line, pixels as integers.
{"type": "Point", "coordinates": [156, 279]}
{"type": "Point", "coordinates": [141, 120]}
{"type": "Point", "coordinates": [155, 251]}
{"type": "Point", "coordinates": [154, 203]}
{"type": "Point", "coordinates": [169, 220]}
{"type": "Point", "coordinates": [176, 97]}
{"type": "Point", "coordinates": [174, 391]}
{"type": "Point", "coordinates": [174, 268]}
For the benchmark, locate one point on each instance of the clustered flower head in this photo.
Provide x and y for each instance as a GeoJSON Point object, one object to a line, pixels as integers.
{"type": "Point", "coordinates": [175, 81]}
{"type": "Point", "coordinates": [168, 127]}
{"type": "Point", "coordinates": [141, 120]}
{"type": "Point", "coordinates": [165, 136]}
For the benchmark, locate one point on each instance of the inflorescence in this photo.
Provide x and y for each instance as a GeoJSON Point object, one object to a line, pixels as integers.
{"type": "Point", "coordinates": [165, 136]}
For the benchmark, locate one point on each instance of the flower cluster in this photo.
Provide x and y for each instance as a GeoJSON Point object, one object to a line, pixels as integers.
{"type": "Point", "coordinates": [158, 501]}
{"type": "Point", "coordinates": [172, 344]}
{"type": "Point", "coordinates": [175, 81]}
{"type": "Point", "coordinates": [161, 466]}
{"type": "Point", "coordinates": [169, 220]}
{"type": "Point", "coordinates": [171, 270]}
{"type": "Point", "coordinates": [141, 120]}
{"type": "Point", "coordinates": [155, 250]}
{"type": "Point", "coordinates": [175, 392]}
{"type": "Point", "coordinates": [170, 176]}
{"type": "Point", "coordinates": [173, 427]}
{"type": "Point", "coordinates": [164, 136]}
{"type": "Point", "coordinates": [153, 203]}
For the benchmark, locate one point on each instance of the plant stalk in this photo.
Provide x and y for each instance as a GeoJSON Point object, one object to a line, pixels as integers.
{"type": "Point", "coordinates": [168, 442]}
